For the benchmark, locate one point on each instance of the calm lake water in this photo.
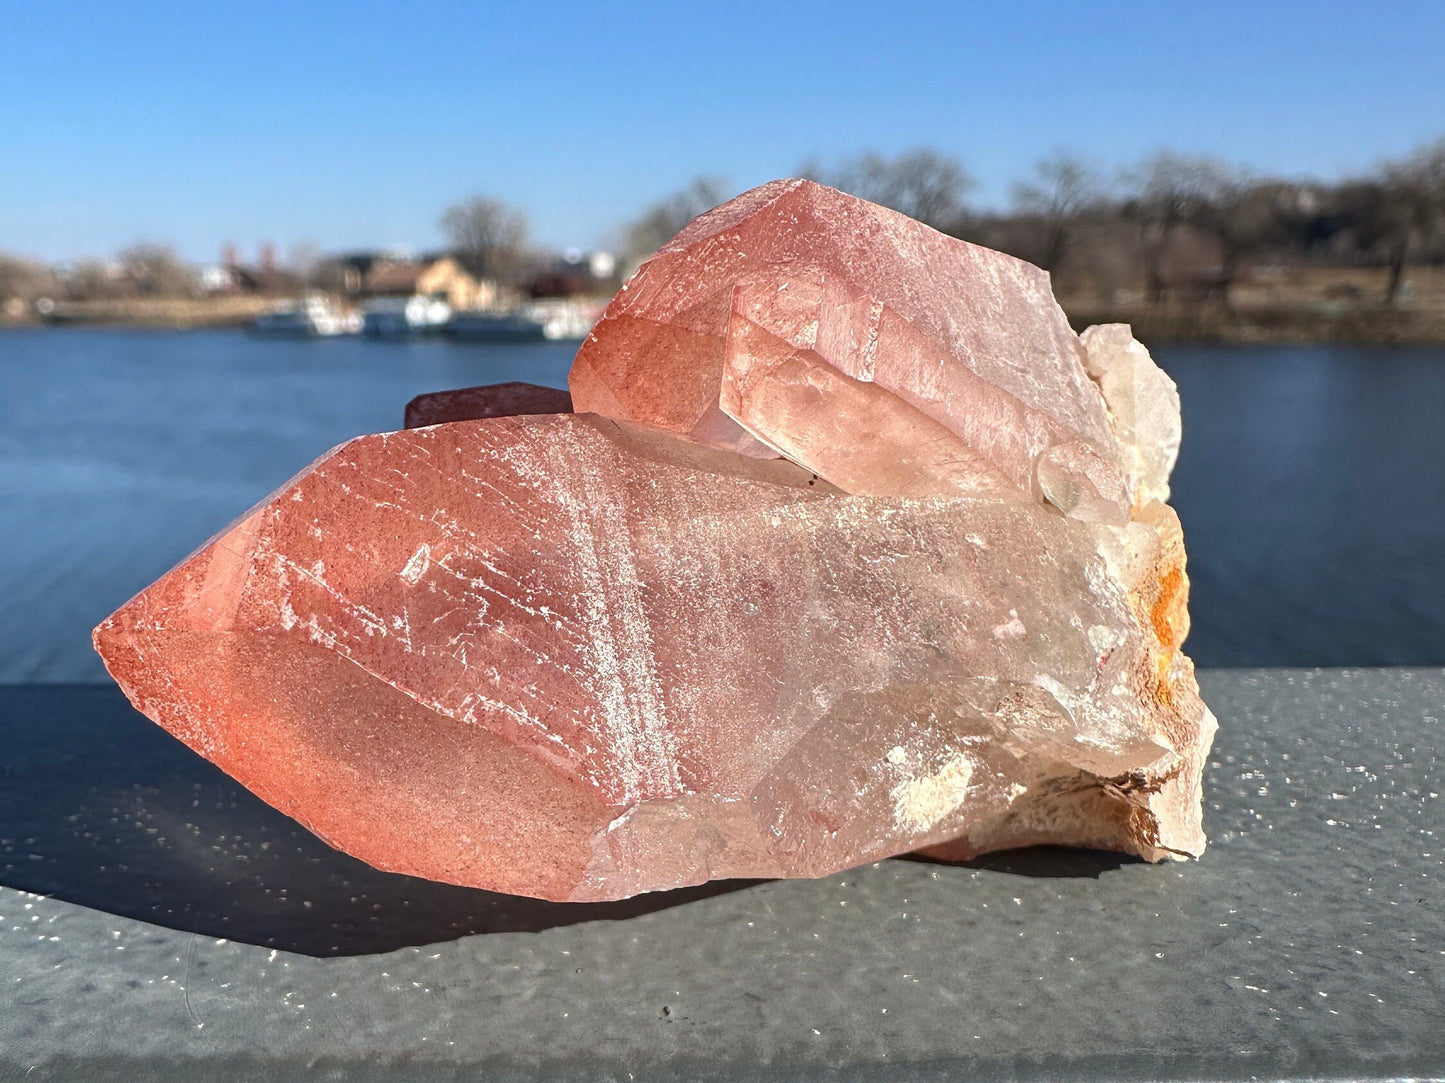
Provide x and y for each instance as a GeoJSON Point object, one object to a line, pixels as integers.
{"type": "Point", "coordinates": [1311, 484]}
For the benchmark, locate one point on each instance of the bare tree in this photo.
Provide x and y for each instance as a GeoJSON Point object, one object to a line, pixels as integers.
{"type": "Point", "coordinates": [487, 234]}
{"type": "Point", "coordinates": [1062, 187]}
{"type": "Point", "coordinates": [1411, 208]}
{"type": "Point", "coordinates": [1241, 213]}
{"type": "Point", "coordinates": [1366, 228]}
{"type": "Point", "coordinates": [922, 184]}
{"type": "Point", "coordinates": [1246, 216]}
{"type": "Point", "coordinates": [91, 279]}
{"type": "Point", "coordinates": [662, 221]}
{"type": "Point", "coordinates": [20, 279]}
{"type": "Point", "coordinates": [1170, 190]}
{"type": "Point", "coordinates": [155, 269]}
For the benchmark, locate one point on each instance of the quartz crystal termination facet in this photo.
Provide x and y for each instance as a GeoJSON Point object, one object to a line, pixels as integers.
{"type": "Point", "coordinates": [579, 658]}
{"type": "Point", "coordinates": [876, 351]}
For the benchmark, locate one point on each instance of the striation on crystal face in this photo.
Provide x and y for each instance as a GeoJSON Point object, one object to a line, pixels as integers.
{"type": "Point", "coordinates": [868, 555]}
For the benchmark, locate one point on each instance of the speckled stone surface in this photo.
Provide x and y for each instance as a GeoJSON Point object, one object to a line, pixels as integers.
{"type": "Point", "coordinates": [1308, 942]}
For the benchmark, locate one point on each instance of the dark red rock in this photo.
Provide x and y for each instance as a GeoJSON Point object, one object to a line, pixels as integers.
{"type": "Point", "coordinates": [488, 400]}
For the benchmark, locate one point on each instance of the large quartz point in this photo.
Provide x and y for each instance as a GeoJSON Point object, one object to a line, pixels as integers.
{"type": "Point", "coordinates": [873, 350]}
{"type": "Point", "coordinates": [857, 550]}
{"type": "Point", "coordinates": [572, 658]}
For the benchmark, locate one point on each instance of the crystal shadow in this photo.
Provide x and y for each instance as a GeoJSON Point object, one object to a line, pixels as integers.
{"type": "Point", "coordinates": [1046, 862]}
{"type": "Point", "coordinates": [100, 807]}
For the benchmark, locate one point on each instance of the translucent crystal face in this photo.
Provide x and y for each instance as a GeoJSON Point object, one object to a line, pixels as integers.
{"type": "Point", "coordinates": [583, 656]}
{"type": "Point", "coordinates": [797, 307]}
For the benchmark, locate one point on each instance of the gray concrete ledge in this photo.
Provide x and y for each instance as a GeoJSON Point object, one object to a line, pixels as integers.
{"type": "Point", "coordinates": [158, 922]}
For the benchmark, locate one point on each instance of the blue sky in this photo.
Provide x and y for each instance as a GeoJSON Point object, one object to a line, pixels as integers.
{"type": "Point", "coordinates": [349, 124]}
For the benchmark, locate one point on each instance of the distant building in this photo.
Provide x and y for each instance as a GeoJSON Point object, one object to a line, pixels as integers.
{"type": "Point", "coordinates": [231, 275]}
{"type": "Point", "coordinates": [364, 275]}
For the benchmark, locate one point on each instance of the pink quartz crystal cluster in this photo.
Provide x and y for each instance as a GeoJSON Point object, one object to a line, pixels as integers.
{"type": "Point", "coordinates": [853, 548]}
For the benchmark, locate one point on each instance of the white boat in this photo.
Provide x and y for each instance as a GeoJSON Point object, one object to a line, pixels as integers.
{"type": "Point", "coordinates": [540, 321]}
{"type": "Point", "coordinates": [495, 327]}
{"type": "Point", "coordinates": [312, 316]}
{"type": "Point", "coordinates": [403, 317]}
{"type": "Point", "coordinates": [564, 321]}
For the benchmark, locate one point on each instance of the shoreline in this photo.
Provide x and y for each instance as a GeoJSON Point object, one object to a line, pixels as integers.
{"type": "Point", "coordinates": [183, 313]}
{"type": "Point", "coordinates": [1282, 325]}
{"type": "Point", "coordinates": [1309, 324]}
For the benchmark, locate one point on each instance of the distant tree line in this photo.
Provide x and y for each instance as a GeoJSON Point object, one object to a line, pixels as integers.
{"type": "Point", "coordinates": [1174, 226]}
{"type": "Point", "coordinates": [138, 270]}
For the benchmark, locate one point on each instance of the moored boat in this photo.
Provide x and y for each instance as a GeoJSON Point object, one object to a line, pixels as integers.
{"type": "Point", "coordinates": [398, 317]}
{"type": "Point", "coordinates": [541, 321]}
{"type": "Point", "coordinates": [313, 316]}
